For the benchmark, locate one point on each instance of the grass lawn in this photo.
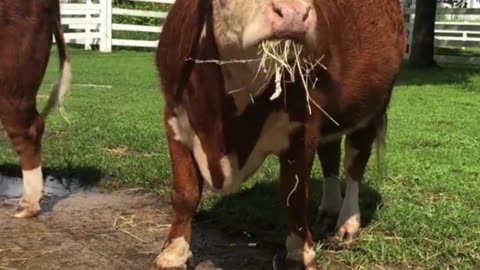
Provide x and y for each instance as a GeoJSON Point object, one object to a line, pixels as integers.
{"type": "Point", "coordinates": [424, 214]}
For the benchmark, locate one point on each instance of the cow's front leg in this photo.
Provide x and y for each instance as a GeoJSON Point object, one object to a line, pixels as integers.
{"type": "Point", "coordinates": [295, 167]}
{"type": "Point", "coordinates": [186, 194]}
{"type": "Point", "coordinates": [358, 147]}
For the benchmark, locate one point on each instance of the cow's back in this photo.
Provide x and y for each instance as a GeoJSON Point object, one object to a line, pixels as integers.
{"type": "Point", "coordinates": [25, 41]}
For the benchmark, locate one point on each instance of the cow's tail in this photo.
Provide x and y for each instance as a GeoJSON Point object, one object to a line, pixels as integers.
{"type": "Point", "coordinates": [380, 143]}
{"type": "Point", "coordinates": [63, 84]}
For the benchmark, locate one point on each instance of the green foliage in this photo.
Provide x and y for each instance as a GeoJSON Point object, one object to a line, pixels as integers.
{"type": "Point", "coordinates": [147, 21]}
{"type": "Point", "coordinates": [139, 6]}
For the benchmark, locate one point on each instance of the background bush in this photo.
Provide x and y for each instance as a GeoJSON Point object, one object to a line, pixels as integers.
{"type": "Point", "coordinates": [139, 6]}
{"type": "Point", "coordinates": [138, 20]}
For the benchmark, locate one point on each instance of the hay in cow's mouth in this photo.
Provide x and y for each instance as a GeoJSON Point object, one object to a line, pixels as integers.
{"type": "Point", "coordinates": [284, 61]}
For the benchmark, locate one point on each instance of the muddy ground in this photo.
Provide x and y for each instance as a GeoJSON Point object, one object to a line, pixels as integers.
{"type": "Point", "coordinates": [87, 229]}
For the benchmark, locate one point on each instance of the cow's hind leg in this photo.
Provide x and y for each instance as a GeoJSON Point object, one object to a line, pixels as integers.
{"type": "Point", "coordinates": [295, 168]}
{"type": "Point", "coordinates": [358, 146]}
{"type": "Point", "coordinates": [329, 155]}
{"type": "Point", "coordinates": [25, 128]}
{"type": "Point", "coordinates": [187, 188]}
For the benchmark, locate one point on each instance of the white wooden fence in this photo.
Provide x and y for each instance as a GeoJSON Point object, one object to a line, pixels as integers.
{"type": "Point", "coordinates": [90, 22]}
{"type": "Point", "coordinates": [139, 28]}
{"type": "Point", "coordinates": [87, 23]}
{"type": "Point", "coordinates": [454, 28]}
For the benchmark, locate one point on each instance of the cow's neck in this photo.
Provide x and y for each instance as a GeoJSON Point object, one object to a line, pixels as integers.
{"type": "Point", "coordinates": [231, 136]}
{"type": "Point", "coordinates": [243, 79]}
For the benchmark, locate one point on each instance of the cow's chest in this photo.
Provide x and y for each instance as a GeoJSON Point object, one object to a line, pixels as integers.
{"type": "Point", "coordinates": [248, 146]}
{"type": "Point", "coordinates": [248, 153]}
{"type": "Point", "coordinates": [244, 82]}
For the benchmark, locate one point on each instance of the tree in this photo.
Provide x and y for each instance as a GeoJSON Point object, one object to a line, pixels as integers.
{"type": "Point", "coordinates": [423, 34]}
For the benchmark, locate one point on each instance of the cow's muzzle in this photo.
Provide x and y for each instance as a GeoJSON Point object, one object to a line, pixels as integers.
{"type": "Point", "coordinates": [290, 19]}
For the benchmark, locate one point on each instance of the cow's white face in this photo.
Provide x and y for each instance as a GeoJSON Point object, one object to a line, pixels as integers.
{"type": "Point", "coordinates": [240, 25]}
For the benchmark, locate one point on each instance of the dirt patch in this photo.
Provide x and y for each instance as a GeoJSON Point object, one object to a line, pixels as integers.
{"type": "Point", "coordinates": [120, 230]}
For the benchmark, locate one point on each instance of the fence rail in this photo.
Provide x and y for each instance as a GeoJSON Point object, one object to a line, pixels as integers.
{"type": "Point", "coordinates": [91, 23]}
{"type": "Point", "coordinates": [138, 28]}
{"type": "Point", "coordinates": [456, 28]}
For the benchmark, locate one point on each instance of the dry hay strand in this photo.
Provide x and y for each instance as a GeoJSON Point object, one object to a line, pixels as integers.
{"type": "Point", "coordinates": [118, 151]}
{"type": "Point", "coordinates": [126, 222]}
{"type": "Point", "coordinates": [122, 223]}
{"type": "Point", "coordinates": [11, 249]}
{"type": "Point", "coordinates": [42, 253]}
{"type": "Point", "coordinates": [283, 61]}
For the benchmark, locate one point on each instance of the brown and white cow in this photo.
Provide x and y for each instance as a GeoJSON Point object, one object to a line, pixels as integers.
{"type": "Point", "coordinates": [220, 139]}
{"type": "Point", "coordinates": [26, 29]}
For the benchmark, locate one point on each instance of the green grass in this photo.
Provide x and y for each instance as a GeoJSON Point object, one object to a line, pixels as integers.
{"type": "Point", "coordinates": [425, 213]}
{"type": "Point", "coordinates": [128, 115]}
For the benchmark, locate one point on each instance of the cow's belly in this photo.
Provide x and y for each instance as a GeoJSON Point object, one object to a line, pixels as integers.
{"type": "Point", "coordinates": [273, 139]}
{"type": "Point", "coordinates": [327, 137]}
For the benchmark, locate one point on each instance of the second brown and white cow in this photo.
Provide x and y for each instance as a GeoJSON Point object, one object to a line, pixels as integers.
{"type": "Point", "coordinates": [26, 29]}
{"type": "Point", "coordinates": [220, 139]}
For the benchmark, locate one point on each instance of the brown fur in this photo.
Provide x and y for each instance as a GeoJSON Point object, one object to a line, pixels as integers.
{"type": "Point", "coordinates": [363, 43]}
{"type": "Point", "coordinates": [26, 29]}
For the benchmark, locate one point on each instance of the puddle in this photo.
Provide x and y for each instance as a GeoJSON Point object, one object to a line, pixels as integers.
{"type": "Point", "coordinates": [11, 188]}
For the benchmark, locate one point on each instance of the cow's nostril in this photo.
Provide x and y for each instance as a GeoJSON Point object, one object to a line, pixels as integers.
{"type": "Point", "coordinates": [278, 11]}
{"type": "Point", "coordinates": [307, 13]}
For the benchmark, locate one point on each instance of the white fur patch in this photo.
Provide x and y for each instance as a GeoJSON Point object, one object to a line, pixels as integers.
{"type": "Point", "coordinates": [274, 138]}
{"type": "Point", "coordinates": [236, 21]}
{"type": "Point", "coordinates": [184, 133]}
{"type": "Point", "coordinates": [298, 250]}
{"type": "Point", "coordinates": [231, 173]}
{"type": "Point", "coordinates": [239, 24]}
{"type": "Point", "coordinates": [332, 196]}
{"type": "Point", "coordinates": [361, 124]}
{"type": "Point", "coordinates": [243, 82]}
{"type": "Point", "coordinates": [32, 185]}
{"type": "Point", "coordinates": [349, 219]}
{"type": "Point", "coordinates": [176, 254]}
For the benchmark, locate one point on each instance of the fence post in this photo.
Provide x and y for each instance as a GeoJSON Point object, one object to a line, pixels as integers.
{"type": "Point", "coordinates": [106, 32]}
{"type": "Point", "coordinates": [88, 42]}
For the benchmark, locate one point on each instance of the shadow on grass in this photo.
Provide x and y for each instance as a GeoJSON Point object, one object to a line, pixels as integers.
{"type": "Point", "coordinates": [450, 51]}
{"type": "Point", "coordinates": [255, 215]}
{"type": "Point", "coordinates": [446, 74]}
{"type": "Point", "coordinates": [59, 183]}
